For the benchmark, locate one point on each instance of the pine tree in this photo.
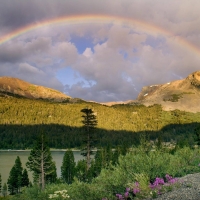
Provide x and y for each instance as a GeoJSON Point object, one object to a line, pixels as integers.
{"type": "Point", "coordinates": [81, 169]}
{"type": "Point", "coordinates": [98, 165]}
{"type": "Point", "coordinates": [4, 191]}
{"type": "Point", "coordinates": [12, 181]}
{"type": "Point", "coordinates": [19, 170]}
{"type": "Point", "coordinates": [52, 177]}
{"type": "Point", "coordinates": [0, 183]}
{"type": "Point", "coordinates": [68, 167]}
{"type": "Point", "coordinates": [15, 177]}
{"type": "Point", "coordinates": [197, 135]}
{"type": "Point", "coordinates": [123, 149]}
{"type": "Point", "coordinates": [108, 154]}
{"type": "Point", "coordinates": [89, 123]}
{"type": "Point", "coordinates": [25, 179]}
{"type": "Point", "coordinates": [91, 172]}
{"type": "Point", "coordinates": [115, 157]}
{"type": "Point", "coordinates": [40, 162]}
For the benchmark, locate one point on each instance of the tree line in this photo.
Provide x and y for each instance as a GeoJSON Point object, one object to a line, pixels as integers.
{"type": "Point", "coordinates": [21, 120]}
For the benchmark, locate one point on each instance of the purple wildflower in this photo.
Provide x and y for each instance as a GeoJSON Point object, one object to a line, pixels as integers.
{"type": "Point", "coordinates": [136, 184]}
{"type": "Point", "coordinates": [119, 196]}
{"type": "Point", "coordinates": [136, 190]}
{"type": "Point", "coordinates": [126, 194]}
{"type": "Point", "coordinates": [157, 183]}
{"type": "Point", "coordinates": [168, 177]}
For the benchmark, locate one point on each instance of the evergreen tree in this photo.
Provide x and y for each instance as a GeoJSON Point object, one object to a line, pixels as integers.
{"type": "Point", "coordinates": [108, 155]}
{"type": "Point", "coordinates": [40, 162]}
{"type": "Point", "coordinates": [91, 172]}
{"type": "Point", "coordinates": [81, 170]}
{"type": "Point", "coordinates": [52, 177]}
{"type": "Point", "coordinates": [99, 162]}
{"type": "Point", "coordinates": [4, 191]}
{"type": "Point", "coordinates": [89, 123]}
{"type": "Point", "coordinates": [158, 143]}
{"type": "Point", "coordinates": [25, 179]}
{"type": "Point", "coordinates": [0, 183]}
{"type": "Point", "coordinates": [12, 181]}
{"type": "Point", "coordinates": [197, 135]}
{"type": "Point", "coordinates": [115, 157]}
{"type": "Point", "coordinates": [19, 170]}
{"type": "Point", "coordinates": [68, 167]}
{"type": "Point", "coordinates": [123, 149]}
{"type": "Point", "coordinates": [15, 177]}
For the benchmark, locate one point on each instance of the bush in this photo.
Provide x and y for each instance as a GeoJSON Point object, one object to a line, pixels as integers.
{"type": "Point", "coordinates": [136, 168]}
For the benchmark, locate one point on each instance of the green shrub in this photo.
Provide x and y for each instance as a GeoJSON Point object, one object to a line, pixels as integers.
{"type": "Point", "coordinates": [184, 161]}
{"type": "Point", "coordinates": [137, 166]}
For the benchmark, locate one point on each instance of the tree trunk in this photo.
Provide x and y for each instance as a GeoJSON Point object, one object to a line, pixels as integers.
{"type": "Point", "coordinates": [88, 152]}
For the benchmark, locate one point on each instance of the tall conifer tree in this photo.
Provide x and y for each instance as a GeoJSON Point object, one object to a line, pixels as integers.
{"type": "Point", "coordinates": [40, 162]}
{"type": "Point", "coordinates": [89, 123]}
{"type": "Point", "coordinates": [0, 183]}
{"type": "Point", "coordinates": [4, 191]}
{"type": "Point", "coordinates": [25, 179]}
{"type": "Point", "coordinates": [15, 177]}
{"type": "Point", "coordinates": [68, 167]}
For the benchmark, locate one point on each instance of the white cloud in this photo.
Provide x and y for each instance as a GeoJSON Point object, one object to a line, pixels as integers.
{"type": "Point", "coordinates": [66, 51]}
{"type": "Point", "coordinates": [88, 53]}
{"type": "Point", "coordinates": [28, 70]}
{"type": "Point", "coordinates": [123, 58]}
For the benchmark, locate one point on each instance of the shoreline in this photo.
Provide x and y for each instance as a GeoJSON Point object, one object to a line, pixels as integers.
{"type": "Point", "coordinates": [27, 150]}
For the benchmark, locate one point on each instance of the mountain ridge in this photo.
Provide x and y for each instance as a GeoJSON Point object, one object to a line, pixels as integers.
{"type": "Point", "coordinates": [15, 86]}
{"type": "Point", "coordinates": [179, 94]}
{"type": "Point", "coordinates": [182, 94]}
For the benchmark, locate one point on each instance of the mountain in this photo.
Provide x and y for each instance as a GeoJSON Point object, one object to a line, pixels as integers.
{"type": "Point", "coordinates": [180, 94]}
{"type": "Point", "coordinates": [22, 119]}
{"type": "Point", "coordinates": [15, 87]}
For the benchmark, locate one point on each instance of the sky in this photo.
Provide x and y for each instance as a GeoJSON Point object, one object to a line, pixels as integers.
{"type": "Point", "coordinates": [99, 50]}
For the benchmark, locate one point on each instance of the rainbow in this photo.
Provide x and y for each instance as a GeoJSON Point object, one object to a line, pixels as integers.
{"type": "Point", "coordinates": [85, 19]}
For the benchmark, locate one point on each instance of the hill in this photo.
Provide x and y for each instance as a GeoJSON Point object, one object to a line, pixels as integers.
{"type": "Point", "coordinates": [15, 87]}
{"type": "Point", "coordinates": [26, 110]}
{"type": "Point", "coordinates": [22, 119]}
{"type": "Point", "coordinates": [180, 94]}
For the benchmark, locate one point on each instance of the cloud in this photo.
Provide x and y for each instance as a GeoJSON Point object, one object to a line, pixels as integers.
{"type": "Point", "coordinates": [66, 51]}
{"type": "Point", "coordinates": [38, 77]}
{"type": "Point", "coordinates": [119, 60]}
{"type": "Point", "coordinates": [28, 70]}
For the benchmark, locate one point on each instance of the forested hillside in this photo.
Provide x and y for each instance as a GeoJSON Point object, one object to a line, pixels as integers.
{"type": "Point", "coordinates": [22, 119]}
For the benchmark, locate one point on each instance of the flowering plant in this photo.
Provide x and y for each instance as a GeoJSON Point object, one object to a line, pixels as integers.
{"type": "Point", "coordinates": [59, 195]}
{"type": "Point", "coordinates": [159, 186]}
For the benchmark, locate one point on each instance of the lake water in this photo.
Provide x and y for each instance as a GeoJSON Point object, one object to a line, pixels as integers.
{"type": "Point", "coordinates": [7, 160]}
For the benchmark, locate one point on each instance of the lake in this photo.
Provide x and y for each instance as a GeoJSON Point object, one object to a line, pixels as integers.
{"type": "Point", "coordinates": [7, 160]}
